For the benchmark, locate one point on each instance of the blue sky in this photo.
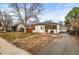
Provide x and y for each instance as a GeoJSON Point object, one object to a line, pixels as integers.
{"type": "Point", "coordinates": [57, 11]}
{"type": "Point", "coordinates": [52, 11]}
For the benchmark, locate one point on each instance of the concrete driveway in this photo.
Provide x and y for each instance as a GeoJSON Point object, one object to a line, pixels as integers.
{"type": "Point", "coordinates": [63, 44]}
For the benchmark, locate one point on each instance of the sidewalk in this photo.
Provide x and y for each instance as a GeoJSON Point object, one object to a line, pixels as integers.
{"type": "Point", "coordinates": [7, 48]}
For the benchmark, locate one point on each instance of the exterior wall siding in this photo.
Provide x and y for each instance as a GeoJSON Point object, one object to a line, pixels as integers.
{"type": "Point", "coordinates": [58, 29]}
{"type": "Point", "coordinates": [39, 29]}
{"type": "Point", "coordinates": [20, 26]}
{"type": "Point", "coordinates": [55, 31]}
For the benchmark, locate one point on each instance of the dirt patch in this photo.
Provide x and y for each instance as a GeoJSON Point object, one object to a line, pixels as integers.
{"type": "Point", "coordinates": [33, 43]}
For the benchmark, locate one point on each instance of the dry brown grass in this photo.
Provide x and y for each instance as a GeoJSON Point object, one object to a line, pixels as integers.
{"type": "Point", "coordinates": [33, 43]}
{"type": "Point", "coordinates": [10, 36]}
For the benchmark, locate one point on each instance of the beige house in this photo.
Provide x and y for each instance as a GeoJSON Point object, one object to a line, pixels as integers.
{"type": "Point", "coordinates": [18, 27]}
{"type": "Point", "coordinates": [47, 27]}
{"type": "Point", "coordinates": [44, 27]}
{"type": "Point", "coordinates": [21, 27]}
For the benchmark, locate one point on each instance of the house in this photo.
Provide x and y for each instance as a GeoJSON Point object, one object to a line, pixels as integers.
{"type": "Point", "coordinates": [63, 29]}
{"type": "Point", "coordinates": [44, 27]}
{"type": "Point", "coordinates": [21, 28]}
{"type": "Point", "coordinates": [47, 27]}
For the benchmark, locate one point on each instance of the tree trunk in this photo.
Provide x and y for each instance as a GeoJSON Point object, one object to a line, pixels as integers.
{"type": "Point", "coordinates": [5, 29]}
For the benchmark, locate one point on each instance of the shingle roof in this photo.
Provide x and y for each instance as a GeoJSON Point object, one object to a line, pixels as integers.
{"type": "Point", "coordinates": [46, 23]}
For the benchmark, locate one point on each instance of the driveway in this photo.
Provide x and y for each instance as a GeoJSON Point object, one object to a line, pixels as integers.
{"type": "Point", "coordinates": [63, 44]}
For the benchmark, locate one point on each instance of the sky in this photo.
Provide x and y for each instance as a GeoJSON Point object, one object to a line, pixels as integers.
{"type": "Point", "coordinates": [57, 11]}
{"type": "Point", "coordinates": [52, 11]}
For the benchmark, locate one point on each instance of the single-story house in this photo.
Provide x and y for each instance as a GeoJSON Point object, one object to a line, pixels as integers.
{"type": "Point", "coordinates": [63, 29]}
{"type": "Point", "coordinates": [47, 27]}
{"type": "Point", "coordinates": [44, 27]}
{"type": "Point", "coordinates": [21, 28]}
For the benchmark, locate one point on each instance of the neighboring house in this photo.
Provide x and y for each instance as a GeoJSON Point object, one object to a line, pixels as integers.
{"type": "Point", "coordinates": [47, 27]}
{"type": "Point", "coordinates": [17, 27]}
{"type": "Point", "coordinates": [21, 28]}
{"type": "Point", "coordinates": [63, 29]}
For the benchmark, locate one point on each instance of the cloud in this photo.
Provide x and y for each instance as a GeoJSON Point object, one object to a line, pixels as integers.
{"type": "Point", "coordinates": [54, 11]}
{"type": "Point", "coordinates": [57, 12]}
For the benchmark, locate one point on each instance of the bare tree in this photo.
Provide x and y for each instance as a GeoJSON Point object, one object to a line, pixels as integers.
{"type": "Point", "coordinates": [5, 20]}
{"type": "Point", "coordinates": [25, 11]}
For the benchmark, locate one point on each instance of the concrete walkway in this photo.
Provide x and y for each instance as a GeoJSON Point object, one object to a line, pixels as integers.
{"type": "Point", "coordinates": [7, 48]}
{"type": "Point", "coordinates": [64, 44]}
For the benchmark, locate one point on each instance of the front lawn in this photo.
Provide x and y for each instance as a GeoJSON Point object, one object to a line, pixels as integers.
{"type": "Point", "coordinates": [13, 35]}
{"type": "Point", "coordinates": [31, 42]}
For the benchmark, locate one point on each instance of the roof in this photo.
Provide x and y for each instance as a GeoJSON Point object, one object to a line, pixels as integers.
{"type": "Point", "coordinates": [42, 23]}
{"type": "Point", "coordinates": [47, 23]}
{"type": "Point", "coordinates": [15, 25]}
